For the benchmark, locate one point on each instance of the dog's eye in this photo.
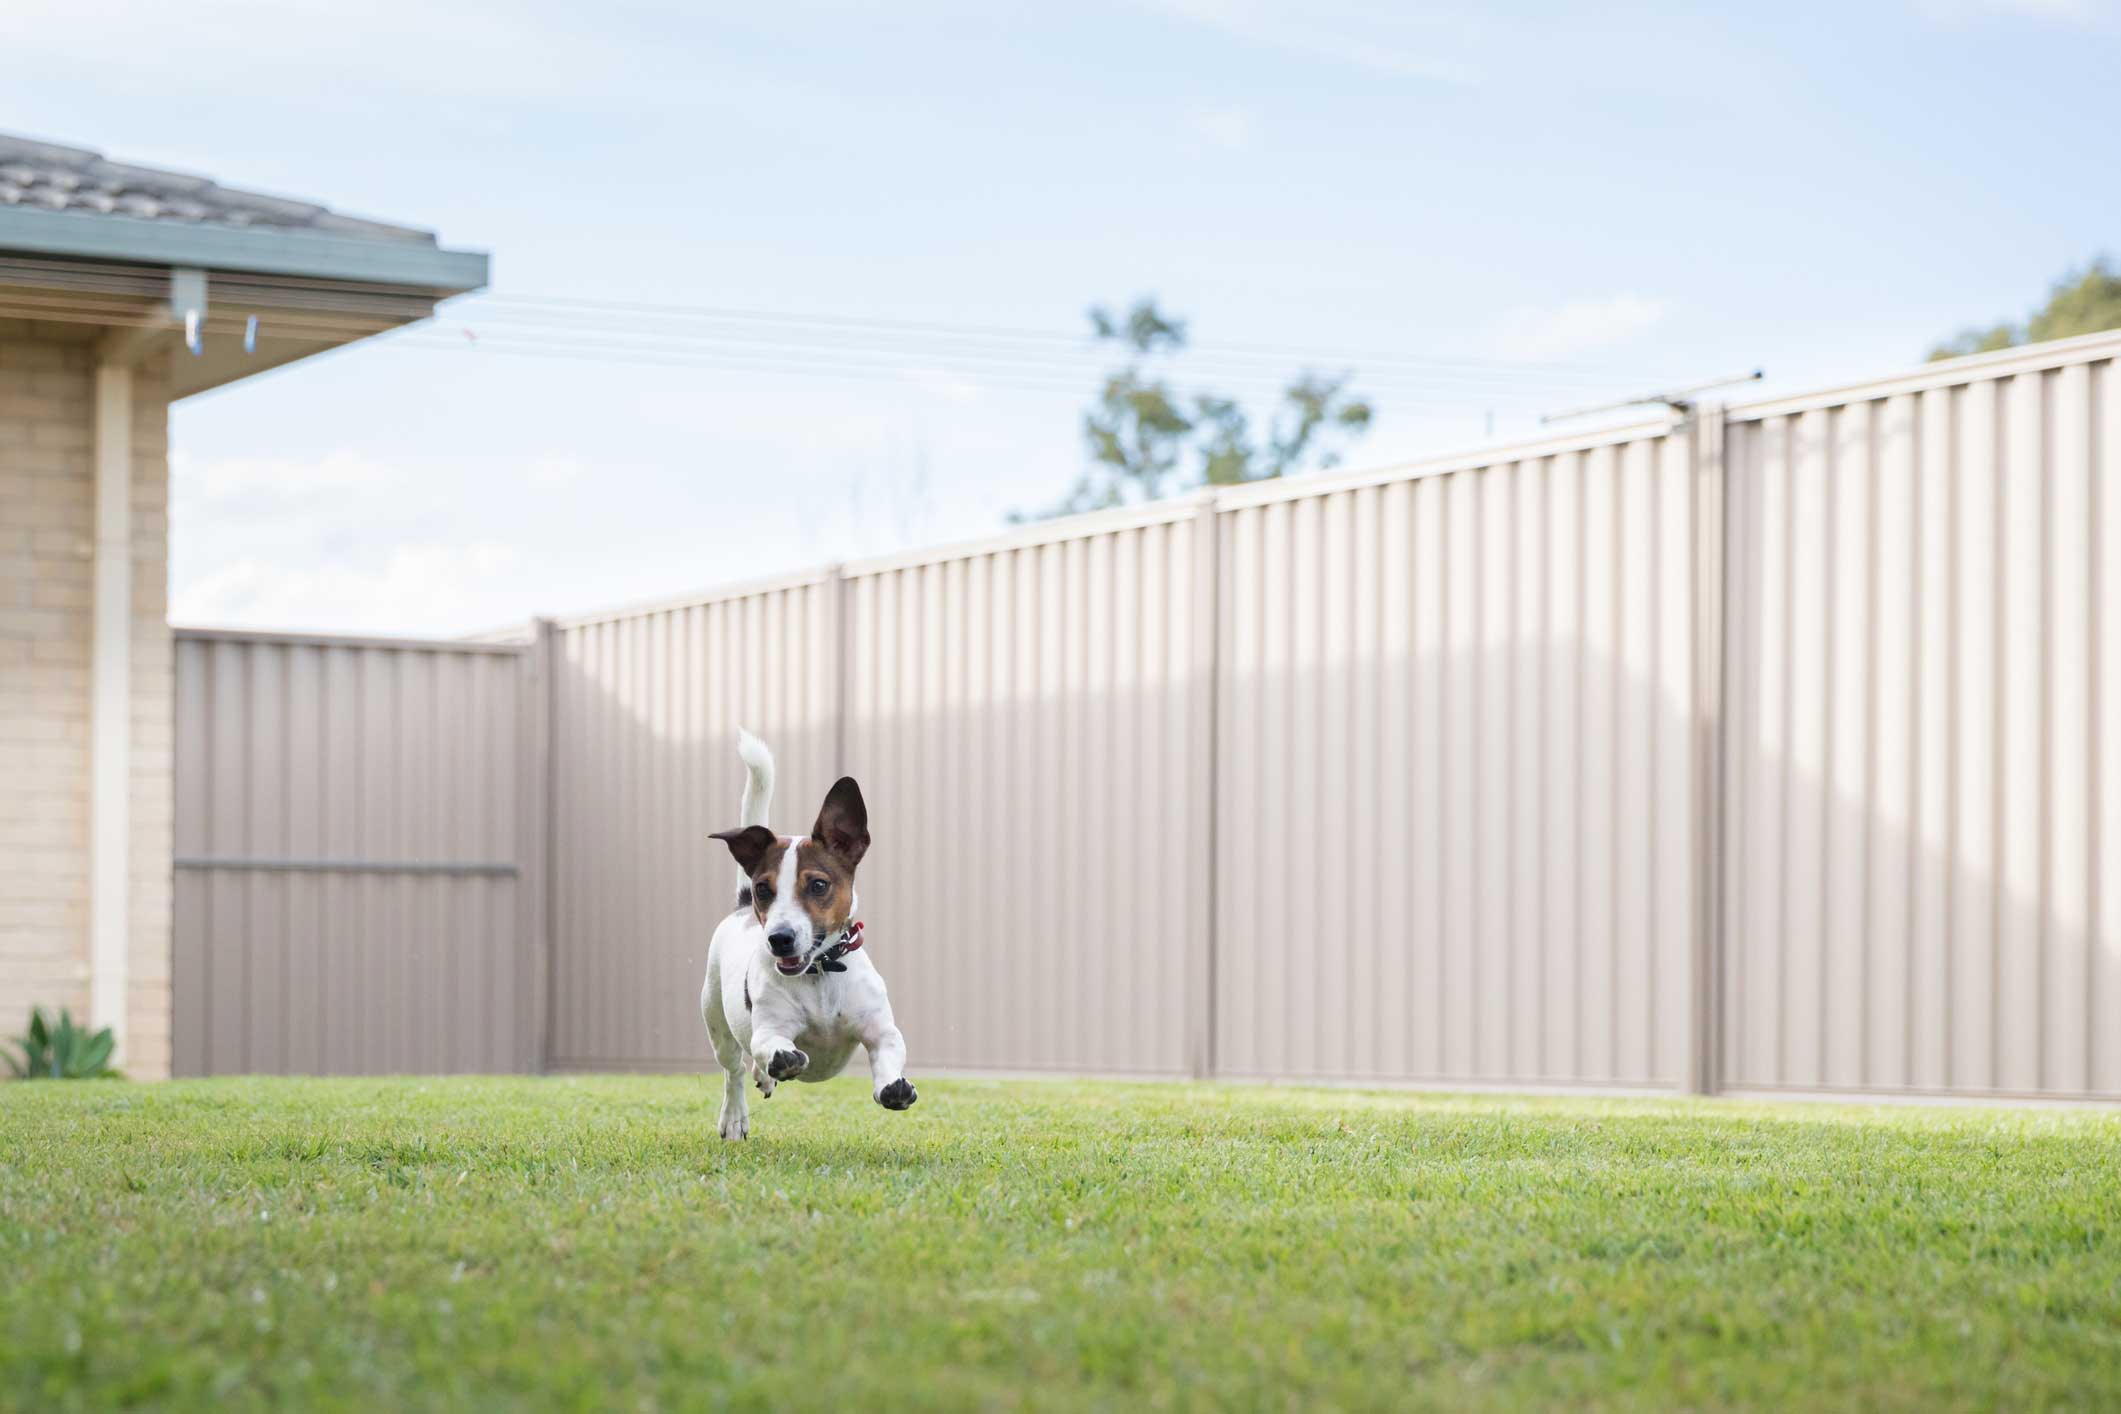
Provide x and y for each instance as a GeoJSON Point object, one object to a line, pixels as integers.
{"type": "Point", "coordinates": [764, 891]}
{"type": "Point", "coordinates": [819, 888]}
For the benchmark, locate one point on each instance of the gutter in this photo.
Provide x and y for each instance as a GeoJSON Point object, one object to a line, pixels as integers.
{"type": "Point", "coordinates": [257, 250]}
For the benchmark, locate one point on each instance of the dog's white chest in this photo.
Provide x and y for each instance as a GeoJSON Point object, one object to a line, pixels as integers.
{"type": "Point", "coordinates": [826, 1031]}
{"type": "Point", "coordinates": [829, 1053]}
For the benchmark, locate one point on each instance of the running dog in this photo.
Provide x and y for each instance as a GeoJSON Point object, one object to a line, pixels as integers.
{"type": "Point", "coordinates": [789, 993]}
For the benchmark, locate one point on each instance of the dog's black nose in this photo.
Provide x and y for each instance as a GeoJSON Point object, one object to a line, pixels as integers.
{"type": "Point", "coordinates": [782, 941]}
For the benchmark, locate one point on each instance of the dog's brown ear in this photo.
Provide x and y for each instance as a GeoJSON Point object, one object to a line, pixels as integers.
{"type": "Point", "coordinates": [749, 845]}
{"type": "Point", "coordinates": [843, 822]}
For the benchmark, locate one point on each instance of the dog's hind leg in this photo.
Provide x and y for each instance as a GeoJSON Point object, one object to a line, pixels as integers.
{"type": "Point", "coordinates": [734, 1120]}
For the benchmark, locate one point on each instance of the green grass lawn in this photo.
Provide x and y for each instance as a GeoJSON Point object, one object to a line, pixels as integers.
{"type": "Point", "coordinates": [590, 1243]}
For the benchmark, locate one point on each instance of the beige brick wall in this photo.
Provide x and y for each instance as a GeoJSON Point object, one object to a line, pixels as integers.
{"type": "Point", "coordinates": [47, 524]}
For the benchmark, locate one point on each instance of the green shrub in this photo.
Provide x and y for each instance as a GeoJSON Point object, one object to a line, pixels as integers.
{"type": "Point", "coordinates": [62, 1052]}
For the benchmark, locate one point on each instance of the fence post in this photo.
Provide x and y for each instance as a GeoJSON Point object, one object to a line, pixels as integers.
{"type": "Point", "coordinates": [836, 577]}
{"type": "Point", "coordinates": [1205, 768]}
{"type": "Point", "coordinates": [1705, 429]}
{"type": "Point", "coordinates": [539, 810]}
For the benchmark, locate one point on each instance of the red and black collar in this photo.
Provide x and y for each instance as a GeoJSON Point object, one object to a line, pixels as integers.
{"type": "Point", "coordinates": [850, 940]}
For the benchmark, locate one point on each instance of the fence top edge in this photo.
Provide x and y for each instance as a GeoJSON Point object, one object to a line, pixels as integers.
{"type": "Point", "coordinates": [2056, 354]}
{"type": "Point", "coordinates": [1164, 512]}
{"type": "Point", "coordinates": [696, 598]}
{"type": "Point", "coordinates": [1260, 493]}
{"type": "Point", "coordinates": [287, 638]}
{"type": "Point", "coordinates": [1168, 511]}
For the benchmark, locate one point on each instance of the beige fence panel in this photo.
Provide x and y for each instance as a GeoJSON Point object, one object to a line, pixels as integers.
{"type": "Point", "coordinates": [645, 716]}
{"type": "Point", "coordinates": [1029, 721]}
{"type": "Point", "coordinates": [356, 856]}
{"type": "Point", "coordinates": [1455, 772]}
{"type": "Point", "coordinates": [1773, 749]}
{"type": "Point", "coordinates": [1924, 787]}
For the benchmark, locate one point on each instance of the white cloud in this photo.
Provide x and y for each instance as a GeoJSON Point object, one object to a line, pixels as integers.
{"type": "Point", "coordinates": [945, 384]}
{"type": "Point", "coordinates": [1227, 128]}
{"type": "Point", "coordinates": [1414, 42]}
{"type": "Point", "coordinates": [413, 584]}
{"type": "Point", "coordinates": [68, 31]}
{"type": "Point", "coordinates": [1577, 327]}
{"type": "Point", "coordinates": [253, 479]}
{"type": "Point", "coordinates": [552, 473]}
{"type": "Point", "coordinates": [340, 542]}
{"type": "Point", "coordinates": [2073, 14]}
{"type": "Point", "coordinates": [470, 53]}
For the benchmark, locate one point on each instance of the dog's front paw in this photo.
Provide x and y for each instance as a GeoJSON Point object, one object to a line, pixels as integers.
{"type": "Point", "coordinates": [898, 1095]}
{"type": "Point", "coordinates": [735, 1124]}
{"type": "Point", "coordinates": [787, 1065]}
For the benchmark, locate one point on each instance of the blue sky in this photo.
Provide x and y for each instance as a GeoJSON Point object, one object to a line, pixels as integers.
{"type": "Point", "coordinates": [1527, 207]}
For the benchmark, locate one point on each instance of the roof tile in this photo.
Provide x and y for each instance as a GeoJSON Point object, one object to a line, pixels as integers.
{"type": "Point", "coordinates": [75, 179]}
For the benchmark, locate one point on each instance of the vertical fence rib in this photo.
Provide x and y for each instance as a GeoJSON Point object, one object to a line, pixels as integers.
{"type": "Point", "coordinates": [541, 805]}
{"type": "Point", "coordinates": [1711, 601]}
{"type": "Point", "coordinates": [1207, 650]}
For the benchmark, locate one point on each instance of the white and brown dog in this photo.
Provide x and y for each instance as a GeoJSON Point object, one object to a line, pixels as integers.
{"type": "Point", "coordinates": [788, 992]}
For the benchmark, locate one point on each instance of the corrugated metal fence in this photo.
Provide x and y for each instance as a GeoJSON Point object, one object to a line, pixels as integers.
{"type": "Point", "coordinates": [1764, 748]}
{"type": "Point", "coordinates": [1924, 766]}
{"type": "Point", "coordinates": [1455, 779]}
{"type": "Point", "coordinates": [359, 856]}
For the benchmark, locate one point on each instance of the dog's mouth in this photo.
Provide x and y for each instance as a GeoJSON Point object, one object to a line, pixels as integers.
{"type": "Point", "coordinates": [790, 966]}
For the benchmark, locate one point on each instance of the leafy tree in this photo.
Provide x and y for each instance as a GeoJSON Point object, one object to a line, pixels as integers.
{"type": "Point", "coordinates": [2080, 303]}
{"type": "Point", "coordinates": [1146, 438]}
{"type": "Point", "coordinates": [2084, 305]}
{"type": "Point", "coordinates": [1973, 341]}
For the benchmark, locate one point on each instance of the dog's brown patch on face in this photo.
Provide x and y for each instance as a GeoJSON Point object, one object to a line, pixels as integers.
{"type": "Point", "coordinates": [766, 878]}
{"type": "Point", "coordinates": [824, 884]}
{"type": "Point", "coordinates": [826, 887]}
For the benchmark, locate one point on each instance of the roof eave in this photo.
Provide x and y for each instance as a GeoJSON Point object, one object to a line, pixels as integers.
{"type": "Point", "coordinates": [258, 250]}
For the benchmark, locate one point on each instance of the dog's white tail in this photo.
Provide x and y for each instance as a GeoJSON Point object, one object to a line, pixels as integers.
{"type": "Point", "coordinates": [758, 779]}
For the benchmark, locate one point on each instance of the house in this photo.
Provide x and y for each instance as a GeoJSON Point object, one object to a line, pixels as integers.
{"type": "Point", "coordinates": [123, 289]}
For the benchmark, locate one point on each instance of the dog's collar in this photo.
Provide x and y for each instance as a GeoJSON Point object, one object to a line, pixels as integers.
{"type": "Point", "coordinates": [850, 940]}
